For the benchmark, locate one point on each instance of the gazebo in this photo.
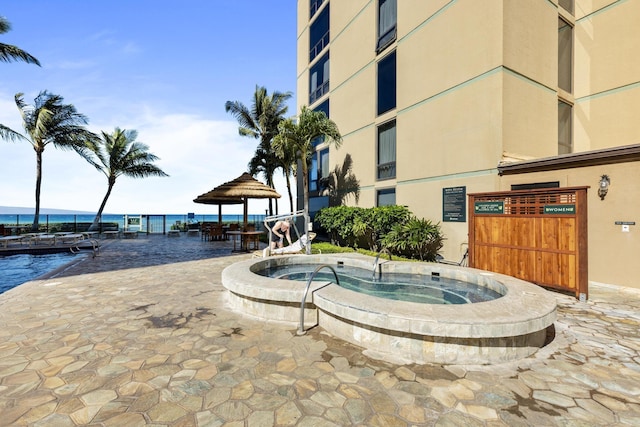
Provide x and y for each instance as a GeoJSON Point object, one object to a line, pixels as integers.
{"type": "Point", "coordinates": [240, 190]}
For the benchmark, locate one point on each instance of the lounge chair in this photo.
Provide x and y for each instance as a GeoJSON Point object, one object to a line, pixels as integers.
{"type": "Point", "coordinates": [294, 248]}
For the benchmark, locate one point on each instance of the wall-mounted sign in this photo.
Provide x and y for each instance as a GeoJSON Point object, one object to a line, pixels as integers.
{"type": "Point", "coordinates": [625, 223]}
{"type": "Point", "coordinates": [488, 207]}
{"type": "Point", "coordinates": [454, 204]}
{"type": "Point", "coordinates": [560, 209]}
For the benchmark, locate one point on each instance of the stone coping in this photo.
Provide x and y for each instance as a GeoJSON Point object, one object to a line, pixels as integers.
{"type": "Point", "coordinates": [524, 307]}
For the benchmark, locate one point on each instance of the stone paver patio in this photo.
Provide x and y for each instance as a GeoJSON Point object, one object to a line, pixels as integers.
{"type": "Point", "coordinates": [141, 335]}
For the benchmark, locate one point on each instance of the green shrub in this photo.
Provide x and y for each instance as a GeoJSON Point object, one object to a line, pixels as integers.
{"type": "Point", "coordinates": [416, 238]}
{"type": "Point", "coordinates": [337, 222]}
{"type": "Point", "coordinates": [360, 227]}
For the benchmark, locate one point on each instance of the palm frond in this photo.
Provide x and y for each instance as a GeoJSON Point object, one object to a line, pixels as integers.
{"type": "Point", "coordinates": [10, 134]}
{"type": "Point", "coordinates": [10, 53]}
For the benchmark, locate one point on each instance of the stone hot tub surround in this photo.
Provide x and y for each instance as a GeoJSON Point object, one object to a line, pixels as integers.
{"type": "Point", "coordinates": [508, 328]}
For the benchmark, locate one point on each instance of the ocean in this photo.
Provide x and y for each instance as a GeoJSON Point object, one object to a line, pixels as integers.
{"type": "Point", "coordinates": [142, 222]}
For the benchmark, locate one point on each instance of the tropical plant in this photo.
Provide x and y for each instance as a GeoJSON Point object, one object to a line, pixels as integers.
{"type": "Point", "coordinates": [341, 183]}
{"type": "Point", "coordinates": [338, 222]}
{"type": "Point", "coordinates": [117, 154]}
{"type": "Point", "coordinates": [361, 227]}
{"type": "Point", "coordinates": [9, 53]}
{"type": "Point", "coordinates": [296, 136]}
{"type": "Point", "coordinates": [261, 122]}
{"type": "Point", "coordinates": [49, 121]}
{"type": "Point", "coordinates": [417, 238]}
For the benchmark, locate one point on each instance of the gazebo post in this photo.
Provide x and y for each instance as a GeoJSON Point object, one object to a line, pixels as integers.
{"type": "Point", "coordinates": [246, 213]}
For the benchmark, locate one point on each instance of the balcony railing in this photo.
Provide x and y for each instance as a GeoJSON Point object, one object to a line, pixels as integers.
{"type": "Point", "coordinates": [387, 170]}
{"type": "Point", "coordinates": [319, 47]}
{"type": "Point", "coordinates": [319, 92]}
{"type": "Point", "coordinates": [315, 5]}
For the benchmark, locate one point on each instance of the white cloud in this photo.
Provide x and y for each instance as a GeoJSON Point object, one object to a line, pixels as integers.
{"type": "Point", "coordinates": [197, 153]}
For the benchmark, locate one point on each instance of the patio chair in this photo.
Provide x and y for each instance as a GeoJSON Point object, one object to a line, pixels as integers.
{"type": "Point", "coordinates": [216, 232]}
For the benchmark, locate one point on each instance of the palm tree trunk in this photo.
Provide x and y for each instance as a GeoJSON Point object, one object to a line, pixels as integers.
{"type": "Point", "coordinates": [289, 191]}
{"type": "Point", "coordinates": [269, 179]}
{"type": "Point", "coordinates": [36, 216]}
{"type": "Point", "coordinates": [96, 220]}
{"type": "Point", "coordinates": [305, 187]}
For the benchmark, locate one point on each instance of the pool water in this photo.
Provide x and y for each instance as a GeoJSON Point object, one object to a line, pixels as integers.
{"type": "Point", "coordinates": [18, 269]}
{"type": "Point", "coordinates": [395, 286]}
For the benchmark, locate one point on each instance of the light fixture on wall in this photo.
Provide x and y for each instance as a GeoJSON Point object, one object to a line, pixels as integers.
{"type": "Point", "coordinates": [603, 187]}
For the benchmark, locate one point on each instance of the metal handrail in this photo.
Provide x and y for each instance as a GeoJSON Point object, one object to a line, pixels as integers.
{"type": "Point", "coordinates": [375, 263]}
{"type": "Point", "coordinates": [301, 330]}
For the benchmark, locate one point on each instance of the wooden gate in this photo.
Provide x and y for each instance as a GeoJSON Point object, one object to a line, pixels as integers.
{"type": "Point", "coordinates": [535, 235]}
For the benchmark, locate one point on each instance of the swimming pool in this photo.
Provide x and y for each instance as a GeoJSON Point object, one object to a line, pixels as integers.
{"type": "Point", "coordinates": [423, 289]}
{"type": "Point", "coordinates": [18, 269]}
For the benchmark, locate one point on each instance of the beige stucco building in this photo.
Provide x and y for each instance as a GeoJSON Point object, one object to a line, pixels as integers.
{"type": "Point", "coordinates": [486, 96]}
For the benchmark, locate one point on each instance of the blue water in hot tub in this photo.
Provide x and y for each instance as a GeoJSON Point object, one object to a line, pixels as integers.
{"type": "Point", "coordinates": [426, 289]}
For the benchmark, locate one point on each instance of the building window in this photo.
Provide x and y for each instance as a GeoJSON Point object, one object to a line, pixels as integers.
{"type": "Point", "coordinates": [319, 79]}
{"type": "Point", "coordinates": [387, 20]}
{"type": "Point", "coordinates": [565, 124]}
{"type": "Point", "coordinates": [565, 55]}
{"type": "Point", "coordinates": [386, 197]}
{"type": "Point", "coordinates": [319, 34]}
{"type": "Point", "coordinates": [314, 5]}
{"type": "Point", "coordinates": [566, 5]}
{"type": "Point", "coordinates": [387, 83]}
{"type": "Point", "coordinates": [324, 107]}
{"type": "Point", "coordinates": [319, 169]}
{"type": "Point", "coordinates": [387, 151]}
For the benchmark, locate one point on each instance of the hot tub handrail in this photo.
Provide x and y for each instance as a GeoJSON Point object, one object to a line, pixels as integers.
{"type": "Point", "coordinates": [301, 330]}
{"type": "Point", "coordinates": [375, 263]}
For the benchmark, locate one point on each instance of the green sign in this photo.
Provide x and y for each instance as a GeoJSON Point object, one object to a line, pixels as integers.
{"type": "Point", "coordinates": [560, 209]}
{"type": "Point", "coordinates": [454, 204]}
{"type": "Point", "coordinates": [488, 207]}
{"type": "Point", "coordinates": [133, 221]}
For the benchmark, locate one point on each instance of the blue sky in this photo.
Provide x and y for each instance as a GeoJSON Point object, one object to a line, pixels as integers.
{"type": "Point", "coordinates": [163, 68]}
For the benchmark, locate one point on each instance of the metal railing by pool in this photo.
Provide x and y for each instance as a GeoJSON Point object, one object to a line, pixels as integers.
{"type": "Point", "coordinates": [16, 224]}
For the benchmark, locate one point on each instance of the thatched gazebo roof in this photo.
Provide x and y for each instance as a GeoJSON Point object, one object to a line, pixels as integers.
{"type": "Point", "coordinates": [245, 186]}
{"type": "Point", "coordinates": [238, 191]}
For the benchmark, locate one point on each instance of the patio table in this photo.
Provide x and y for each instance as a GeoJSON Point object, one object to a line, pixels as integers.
{"type": "Point", "coordinates": [245, 237]}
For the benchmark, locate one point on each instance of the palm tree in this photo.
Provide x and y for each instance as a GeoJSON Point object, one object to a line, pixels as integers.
{"type": "Point", "coordinates": [298, 137]}
{"type": "Point", "coordinates": [49, 121]}
{"type": "Point", "coordinates": [261, 122]}
{"type": "Point", "coordinates": [289, 166]}
{"type": "Point", "coordinates": [341, 183]}
{"type": "Point", "coordinates": [10, 53]}
{"type": "Point", "coordinates": [119, 154]}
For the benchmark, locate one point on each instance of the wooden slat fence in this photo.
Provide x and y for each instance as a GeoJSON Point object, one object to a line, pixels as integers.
{"type": "Point", "coordinates": [535, 235]}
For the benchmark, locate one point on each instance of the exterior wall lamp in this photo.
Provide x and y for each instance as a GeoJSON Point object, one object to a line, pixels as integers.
{"type": "Point", "coordinates": [603, 187]}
